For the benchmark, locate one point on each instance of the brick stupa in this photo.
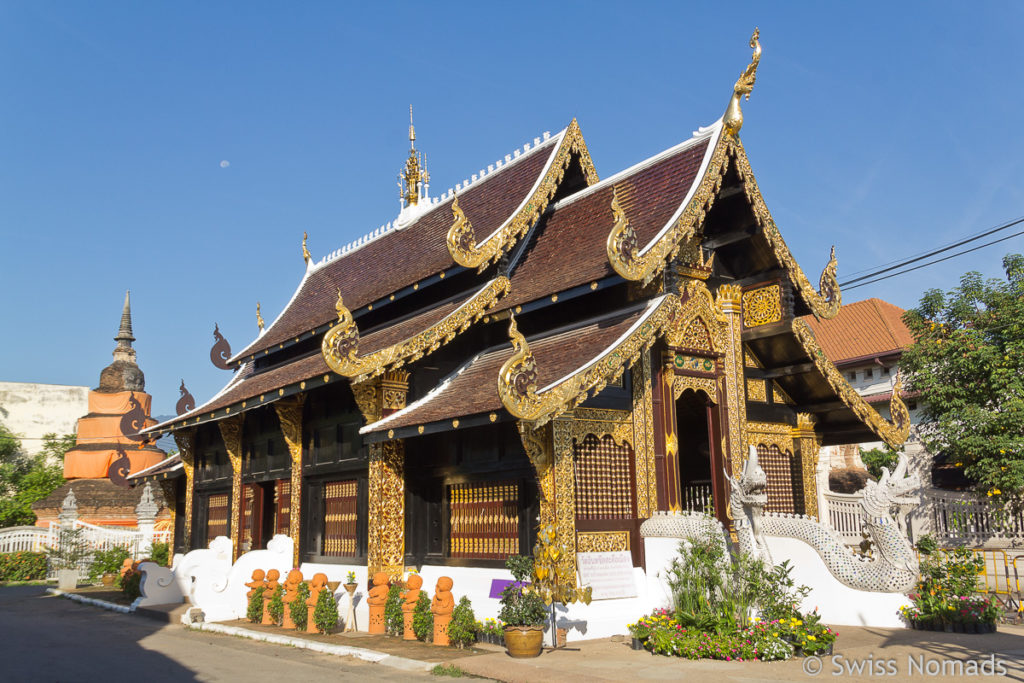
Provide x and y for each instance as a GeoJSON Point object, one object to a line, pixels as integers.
{"type": "Point", "coordinates": [108, 445]}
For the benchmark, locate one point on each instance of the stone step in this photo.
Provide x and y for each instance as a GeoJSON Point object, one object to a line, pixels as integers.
{"type": "Point", "coordinates": [170, 614]}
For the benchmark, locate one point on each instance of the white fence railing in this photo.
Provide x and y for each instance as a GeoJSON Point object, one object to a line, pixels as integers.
{"type": "Point", "coordinates": [845, 515]}
{"type": "Point", "coordinates": [38, 539]}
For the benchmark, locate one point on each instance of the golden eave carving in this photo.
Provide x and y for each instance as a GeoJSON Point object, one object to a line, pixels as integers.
{"type": "Point", "coordinates": [893, 431]}
{"type": "Point", "coordinates": [341, 343]}
{"type": "Point", "coordinates": [461, 238]}
{"type": "Point", "coordinates": [624, 254]}
{"type": "Point", "coordinates": [825, 302]}
{"type": "Point", "coordinates": [643, 265]}
{"type": "Point", "coordinates": [517, 380]}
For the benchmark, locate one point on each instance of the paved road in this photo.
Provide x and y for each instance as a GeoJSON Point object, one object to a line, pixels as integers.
{"type": "Point", "coordinates": [45, 638]}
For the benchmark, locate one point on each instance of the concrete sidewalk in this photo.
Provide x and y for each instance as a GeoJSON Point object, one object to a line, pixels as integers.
{"type": "Point", "coordinates": [893, 654]}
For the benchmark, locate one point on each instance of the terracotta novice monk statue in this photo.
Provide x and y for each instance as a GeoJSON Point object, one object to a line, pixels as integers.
{"type": "Point", "coordinates": [376, 599]}
{"type": "Point", "coordinates": [318, 584]}
{"type": "Point", "coordinates": [291, 592]}
{"type": "Point", "coordinates": [272, 583]}
{"type": "Point", "coordinates": [442, 606]}
{"type": "Point", "coordinates": [410, 597]}
{"type": "Point", "coordinates": [256, 582]}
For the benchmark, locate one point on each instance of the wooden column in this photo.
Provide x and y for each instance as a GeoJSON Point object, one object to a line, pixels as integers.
{"type": "Point", "coordinates": [231, 432]}
{"type": "Point", "coordinates": [185, 439]}
{"type": "Point", "coordinates": [167, 487]}
{"type": "Point", "coordinates": [667, 426]}
{"type": "Point", "coordinates": [565, 493]}
{"type": "Point", "coordinates": [729, 302]}
{"type": "Point", "coordinates": [289, 413]}
{"type": "Point", "coordinates": [643, 438]}
{"type": "Point", "coordinates": [807, 445]}
{"type": "Point", "coordinates": [379, 398]}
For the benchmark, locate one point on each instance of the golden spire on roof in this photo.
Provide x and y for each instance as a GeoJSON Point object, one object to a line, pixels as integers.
{"type": "Point", "coordinates": [259, 317]}
{"type": "Point", "coordinates": [415, 171]}
{"type": "Point", "coordinates": [306, 256]}
{"type": "Point", "coordinates": [733, 118]}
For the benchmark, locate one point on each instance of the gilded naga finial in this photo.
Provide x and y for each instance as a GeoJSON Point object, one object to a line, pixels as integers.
{"type": "Point", "coordinates": [306, 256]}
{"type": "Point", "coordinates": [733, 118]}
{"type": "Point", "coordinates": [259, 317]}
{"type": "Point", "coordinates": [415, 172]}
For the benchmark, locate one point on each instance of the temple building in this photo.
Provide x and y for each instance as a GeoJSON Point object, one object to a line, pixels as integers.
{"type": "Point", "coordinates": [535, 347]}
{"type": "Point", "coordinates": [110, 443]}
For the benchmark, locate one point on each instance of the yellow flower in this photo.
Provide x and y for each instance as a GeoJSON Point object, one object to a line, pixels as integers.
{"type": "Point", "coordinates": [996, 492]}
{"type": "Point", "coordinates": [811, 638]}
{"type": "Point", "coordinates": [959, 464]}
{"type": "Point", "coordinates": [1002, 451]}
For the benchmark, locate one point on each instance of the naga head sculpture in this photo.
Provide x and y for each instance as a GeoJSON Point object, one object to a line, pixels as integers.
{"type": "Point", "coordinates": [893, 490]}
{"type": "Point", "coordinates": [750, 488]}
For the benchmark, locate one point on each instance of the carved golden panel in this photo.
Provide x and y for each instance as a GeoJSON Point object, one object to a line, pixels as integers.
{"type": "Point", "coordinates": [682, 361]}
{"type": "Point", "coordinates": [762, 306]}
{"type": "Point", "coordinates": [770, 434]}
{"type": "Point", "coordinates": [602, 541]}
{"type": "Point", "coordinates": [289, 414]}
{"type": "Point", "coordinates": [709, 385]}
{"type": "Point", "coordinates": [729, 303]}
{"type": "Point", "coordinates": [185, 440]}
{"type": "Point", "coordinates": [231, 432]}
{"type": "Point", "coordinates": [643, 438]}
{"type": "Point", "coordinates": [756, 390]}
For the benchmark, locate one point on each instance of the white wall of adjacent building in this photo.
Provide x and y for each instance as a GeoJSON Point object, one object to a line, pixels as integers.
{"type": "Point", "coordinates": [31, 410]}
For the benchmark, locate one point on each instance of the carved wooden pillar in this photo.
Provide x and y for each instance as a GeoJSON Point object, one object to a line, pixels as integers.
{"type": "Point", "coordinates": [669, 493]}
{"type": "Point", "coordinates": [729, 301]}
{"type": "Point", "coordinates": [289, 413]}
{"type": "Point", "coordinates": [807, 445]}
{"type": "Point", "coordinates": [231, 432]}
{"type": "Point", "coordinates": [379, 398]}
{"type": "Point", "coordinates": [565, 492]}
{"type": "Point", "coordinates": [643, 438]}
{"type": "Point", "coordinates": [539, 447]}
{"type": "Point", "coordinates": [167, 487]}
{"type": "Point", "coordinates": [185, 439]}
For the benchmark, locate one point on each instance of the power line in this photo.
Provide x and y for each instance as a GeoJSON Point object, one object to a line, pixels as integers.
{"type": "Point", "coordinates": [925, 265]}
{"type": "Point", "coordinates": [934, 252]}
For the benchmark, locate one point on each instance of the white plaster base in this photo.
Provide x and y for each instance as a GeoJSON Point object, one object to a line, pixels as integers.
{"type": "Point", "coordinates": [837, 603]}
{"type": "Point", "coordinates": [158, 586]}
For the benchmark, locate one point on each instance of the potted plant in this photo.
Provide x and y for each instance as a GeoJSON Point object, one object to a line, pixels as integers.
{"type": "Point", "coordinates": [555, 580]}
{"type": "Point", "coordinates": [106, 563]}
{"type": "Point", "coordinates": [71, 550]}
{"type": "Point", "coordinates": [350, 583]}
{"type": "Point", "coordinates": [523, 611]}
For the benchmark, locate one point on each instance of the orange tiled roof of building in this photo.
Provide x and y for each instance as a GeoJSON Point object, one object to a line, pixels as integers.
{"type": "Point", "coordinates": [862, 329]}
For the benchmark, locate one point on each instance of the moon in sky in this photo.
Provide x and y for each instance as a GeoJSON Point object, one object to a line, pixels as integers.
{"type": "Point", "coordinates": [225, 163]}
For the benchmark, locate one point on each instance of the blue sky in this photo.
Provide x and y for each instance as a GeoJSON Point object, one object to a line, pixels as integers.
{"type": "Point", "coordinates": [885, 129]}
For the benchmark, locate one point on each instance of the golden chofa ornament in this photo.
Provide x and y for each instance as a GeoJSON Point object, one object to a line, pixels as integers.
{"type": "Point", "coordinates": [733, 118]}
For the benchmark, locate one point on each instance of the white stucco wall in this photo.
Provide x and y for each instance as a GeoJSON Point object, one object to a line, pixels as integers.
{"type": "Point", "coordinates": [31, 410]}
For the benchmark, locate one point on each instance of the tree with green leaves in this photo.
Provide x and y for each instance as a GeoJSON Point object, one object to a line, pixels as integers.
{"type": "Point", "coordinates": [24, 479]}
{"type": "Point", "coordinates": [875, 459]}
{"type": "Point", "coordinates": [968, 363]}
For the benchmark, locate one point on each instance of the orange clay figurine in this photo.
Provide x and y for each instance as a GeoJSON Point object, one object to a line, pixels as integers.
{"type": "Point", "coordinates": [376, 599]}
{"type": "Point", "coordinates": [257, 581]}
{"type": "Point", "coordinates": [272, 583]}
{"type": "Point", "coordinates": [442, 606]}
{"type": "Point", "coordinates": [410, 597]}
{"type": "Point", "coordinates": [318, 584]}
{"type": "Point", "coordinates": [291, 592]}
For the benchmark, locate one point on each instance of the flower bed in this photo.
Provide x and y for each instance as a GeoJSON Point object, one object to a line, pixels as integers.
{"type": "Point", "coordinates": [946, 597]}
{"type": "Point", "coordinates": [22, 566]}
{"type": "Point", "coordinates": [491, 631]}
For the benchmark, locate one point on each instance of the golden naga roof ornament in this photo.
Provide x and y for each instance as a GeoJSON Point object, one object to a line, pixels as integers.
{"type": "Point", "coordinates": [517, 379]}
{"type": "Point", "coordinates": [461, 238]}
{"type": "Point", "coordinates": [259, 317]}
{"type": "Point", "coordinates": [306, 256]}
{"type": "Point", "coordinates": [733, 118]}
{"type": "Point", "coordinates": [340, 347]}
{"type": "Point", "coordinates": [828, 285]}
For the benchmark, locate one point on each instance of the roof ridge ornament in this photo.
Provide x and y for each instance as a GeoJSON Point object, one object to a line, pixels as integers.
{"type": "Point", "coordinates": [413, 182]}
{"type": "Point", "coordinates": [306, 256]}
{"type": "Point", "coordinates": [733, 118]}
{"type": "Point", "coordinates": [220, 352]}
{"type": "Point", "coordinates": [259, 318]}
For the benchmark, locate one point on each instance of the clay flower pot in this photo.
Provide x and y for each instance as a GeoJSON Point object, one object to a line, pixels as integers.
{"type": "Point", "coordinates": [524, 641]}
{"type": "Point", "coordinates": [108, 579]}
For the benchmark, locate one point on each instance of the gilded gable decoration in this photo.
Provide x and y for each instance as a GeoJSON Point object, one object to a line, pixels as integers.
{"type": "Point", "coordinates": [340, 347]}
{"type": "Point", "coordinates": [894, 432]}
{"type": "Point", "coordinates": [517, 380]}
{"type": "Point", "coordinates": [462, 244]}
{"type": "Point", "coordinates": [700, 323]}
{"type": "Point", "coordinates": [733, 118]}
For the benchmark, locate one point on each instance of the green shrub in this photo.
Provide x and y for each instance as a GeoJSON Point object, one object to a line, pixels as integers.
{"type": "Point", "coordinates": [22, 566]}
{"type": "Point", "coordinates": [131, 584]}
{"type": "Point", "coordinates": [161, 554]}
{"type": "Point", "coordinates": [255, 611]}
{"type": "Point", "coordinates": [521, 606]}
{"type": "Point", "coordinates": [298, 610]}
{"type": "Point", "coordinates": [71, 549]}
{"type": "Point", "coordinates": [423, 618]}
{"type": "Point", "coordinates": [276, 606]}
{"type": "Point", "coordinates": [393, 610]}
{"type": "Point", "coordinates": [462, 627]}
{"type": "Point", "coordinates": [448, 670]}
{"type": "Point", "coordinates": [875, 459]}
{"type": "Point", "coordinates": [107, 562]}
{"type": "Point", "coordinates": [325, 616]}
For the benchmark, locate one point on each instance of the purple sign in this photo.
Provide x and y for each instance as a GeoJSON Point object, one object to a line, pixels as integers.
{"type": "Point", "coordinates": [498, 585]}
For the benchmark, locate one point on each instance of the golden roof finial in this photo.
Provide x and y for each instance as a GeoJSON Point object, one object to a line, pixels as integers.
{"type": "Point", "coordinates": [306, 256]}
{"type": "Point", "coordinates": [412, 131]}
{"type": "Point", "coordinates": [259, 317]}
{"type": "Point", "coordinates": [733, 118]}
{"type": "Point", "coordinates": [415, 171]}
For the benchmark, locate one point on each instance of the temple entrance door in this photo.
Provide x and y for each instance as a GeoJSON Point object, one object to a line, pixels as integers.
{"type": "Point", "coordinates": [701, 480]}
{"type": "Point", "coordinates": [252, 518]}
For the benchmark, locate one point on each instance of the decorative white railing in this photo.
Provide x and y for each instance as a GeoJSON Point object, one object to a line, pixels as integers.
{"type": "Point", "coordinates": [963, 519]}
{"type": "Point", "coordinates": [16, 539]}
{"type": "Point", "coordinates": [845, 515]}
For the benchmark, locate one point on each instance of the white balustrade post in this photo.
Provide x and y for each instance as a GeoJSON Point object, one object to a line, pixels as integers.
{"type": "Point", "coordinates": [68, 511]}
{"type": "Point", "coordinates": [145, 513]}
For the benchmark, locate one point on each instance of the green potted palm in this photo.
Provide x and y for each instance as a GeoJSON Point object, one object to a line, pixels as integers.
{"type": "Point", "coordinates": [523, 611]}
